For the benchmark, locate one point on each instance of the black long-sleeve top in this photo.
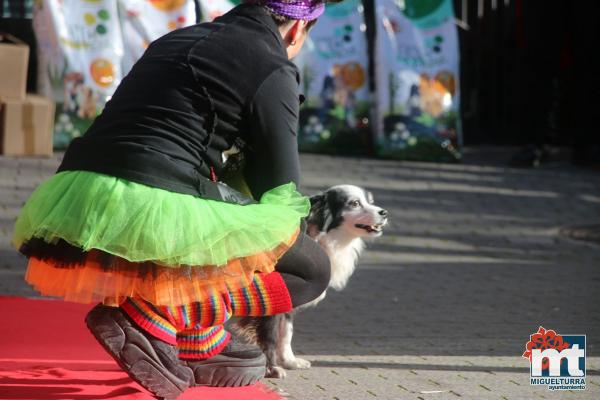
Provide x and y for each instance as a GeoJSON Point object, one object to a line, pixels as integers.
{"type": "Point", "coordinates": [194, 94]}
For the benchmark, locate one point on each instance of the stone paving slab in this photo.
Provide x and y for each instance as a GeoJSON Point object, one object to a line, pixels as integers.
{"type": "Point", "coordinates": [470, 266]}
{"type": "Point", "coordinates": [441, 305]}
{"type": "Point", "coordinates": [424, 377]}
{"type": "Point", "coordinates": [586, 232]}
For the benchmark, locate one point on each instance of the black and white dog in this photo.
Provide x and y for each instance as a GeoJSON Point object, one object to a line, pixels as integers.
{"type": "Point", "coordinates": [339, 219]}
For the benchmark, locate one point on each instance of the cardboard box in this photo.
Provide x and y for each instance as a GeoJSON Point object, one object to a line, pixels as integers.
{"type": "Point", "coordinates": [26, 126]}
{"type": "Point", "coordinates": [13, 68]}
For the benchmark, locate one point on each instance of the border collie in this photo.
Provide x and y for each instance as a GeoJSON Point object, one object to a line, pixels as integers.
{"type": "Point", "coordinates": [339, 219]}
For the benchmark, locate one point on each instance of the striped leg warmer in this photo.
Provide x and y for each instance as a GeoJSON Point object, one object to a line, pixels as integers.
{"type": "Point", "coordinates": [197, 328]}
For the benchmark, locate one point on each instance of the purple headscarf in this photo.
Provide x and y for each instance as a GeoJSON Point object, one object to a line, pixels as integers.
{"type": "Point", "coordinates": [306, 10]}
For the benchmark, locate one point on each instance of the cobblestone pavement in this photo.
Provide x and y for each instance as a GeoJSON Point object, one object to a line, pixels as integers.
{"type": "Point", "coordinates": [441, 305]}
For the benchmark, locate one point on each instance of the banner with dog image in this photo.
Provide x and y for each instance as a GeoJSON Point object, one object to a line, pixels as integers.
{"type": "Point", "coordinates": [333, 65]}
{"type": "Point", "coordinates": [417, 80]}
{"type": "Point", "coordinates": [87, 46]}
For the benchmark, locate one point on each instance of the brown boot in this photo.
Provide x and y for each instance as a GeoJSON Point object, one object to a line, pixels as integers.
{"type": "Point", "coordinates": [241, 363]}
{"type": "Point", "coordinates": [155, 365]}
{"type": "Point", "coordinates": [150, 362]}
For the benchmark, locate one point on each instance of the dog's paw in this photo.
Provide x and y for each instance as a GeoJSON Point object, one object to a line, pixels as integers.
{"type": "Point", "coordinates": [296, 363]}
{"type": "Point", "coordinates": [275, 372]}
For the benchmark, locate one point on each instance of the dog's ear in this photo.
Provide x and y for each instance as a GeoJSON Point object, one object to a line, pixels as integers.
{"type": "Point", "coordinates": [316, 199]}
{"type": "Point", "coordinates": [318, 211]}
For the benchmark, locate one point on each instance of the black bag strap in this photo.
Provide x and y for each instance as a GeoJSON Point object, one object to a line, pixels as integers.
{"type": "Point", "coordinates": [221, 192]}
{"type": "Point", "coordinates": [198, 11]}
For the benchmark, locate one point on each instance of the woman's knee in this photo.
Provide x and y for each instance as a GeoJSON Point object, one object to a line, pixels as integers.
{"type": "Point", "coordinates": [306, 270]}
{"type": "Point", "coordinates": [317, 272]}
{"type": "Point", "coordinates": [321, 274]}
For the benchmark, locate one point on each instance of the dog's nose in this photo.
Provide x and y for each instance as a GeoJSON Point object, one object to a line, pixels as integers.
{"type": "Point", "coordinates": [383, 212]}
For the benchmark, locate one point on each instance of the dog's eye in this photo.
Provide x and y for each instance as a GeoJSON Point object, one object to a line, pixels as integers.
{"type": "Point", "coordinates": [355, 203]}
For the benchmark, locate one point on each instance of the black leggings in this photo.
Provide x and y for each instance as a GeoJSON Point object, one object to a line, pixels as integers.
{"type": "Point", "coordinates": [305, 269]}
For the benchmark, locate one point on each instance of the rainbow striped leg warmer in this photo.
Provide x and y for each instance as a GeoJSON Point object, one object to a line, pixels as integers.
{"type": "Point", "coordinates": [197, 328]}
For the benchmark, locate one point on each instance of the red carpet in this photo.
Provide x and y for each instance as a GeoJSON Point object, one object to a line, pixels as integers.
{"type": "Point", "coordinates": [46, 352]}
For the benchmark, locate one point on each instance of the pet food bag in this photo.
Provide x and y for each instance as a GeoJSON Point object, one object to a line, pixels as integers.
{"type": "Point", "coordinates": [211, 9]}
{"type": "Point", "coordinates": [417, 70]}
{"type": "Point", "coordinates": [81, 49]}
{"type": "Point", "coordinates": [87, 46]}
{"type": "Point", "coordinates": [143, 21]}
{"type": "Point", "coordinates": [335, 116]}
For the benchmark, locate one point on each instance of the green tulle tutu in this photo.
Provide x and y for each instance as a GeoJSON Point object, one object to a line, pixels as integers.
{"type": "Point", "coordinates": [140, 223]}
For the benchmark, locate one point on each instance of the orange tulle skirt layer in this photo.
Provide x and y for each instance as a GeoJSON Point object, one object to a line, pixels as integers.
{"type": "Point", "coordinates": [92, 281]}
